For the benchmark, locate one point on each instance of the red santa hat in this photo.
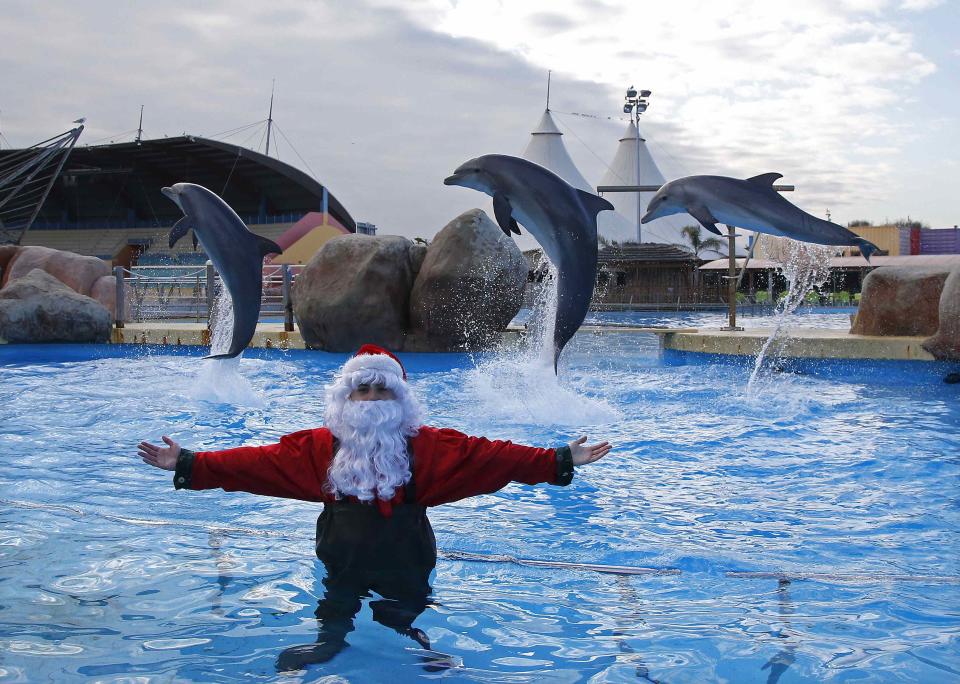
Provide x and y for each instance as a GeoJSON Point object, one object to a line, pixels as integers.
{"type": "Point", "coordinates": [372, 357]}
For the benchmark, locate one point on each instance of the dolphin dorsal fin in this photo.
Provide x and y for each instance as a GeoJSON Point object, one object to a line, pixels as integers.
{"type": "Point", "coordinates": [766, 178]}
{"type": "Point", "coordinates": [593, 203]}
{"type": "Point", "coordinates": [267, 246]}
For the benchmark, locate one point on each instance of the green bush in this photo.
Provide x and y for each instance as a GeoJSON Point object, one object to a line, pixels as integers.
{"type": "Point", "coordinates": [812, 297]}
{"type": "Point", "coordinates": [841, 297]}
{"type": "Point", "coordinates": [761, 297]}
{"type": "Point", "coordinates": [742, 298]}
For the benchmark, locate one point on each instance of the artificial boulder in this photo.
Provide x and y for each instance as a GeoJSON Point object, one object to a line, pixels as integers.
{"type": "Point", "coordinates": [355, 290]}
{"type": "Point", "coordinates": [75, 270]}
{"type": "Point", "coordinates": [945, 344]}
{"type": "Point", "coordinates": [898, 300]}
{"type": "Point", "coordinates": [104, 290]}
{"type": "Point", "coordinates": [39, 308]}
{"type": "Point", "coordinates": [469, 288]}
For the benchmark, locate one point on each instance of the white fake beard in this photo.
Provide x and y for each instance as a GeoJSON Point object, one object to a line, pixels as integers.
{"type": "Point", "coordinates": [372, 460]}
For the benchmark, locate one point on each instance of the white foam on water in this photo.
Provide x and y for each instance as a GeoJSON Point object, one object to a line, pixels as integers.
{"type": "Point", "coordinates": [219, 381]}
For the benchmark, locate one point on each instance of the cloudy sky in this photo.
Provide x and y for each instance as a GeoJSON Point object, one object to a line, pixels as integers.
{"type": "Point", "coordinates": [856, 102]}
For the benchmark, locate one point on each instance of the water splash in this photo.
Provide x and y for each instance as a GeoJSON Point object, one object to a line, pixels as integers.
{"type": "Point", "coordinates": [518, 384]}
{"type": "Point", "coordinates": [221, 322]}
{"type": "Point", "coordinates": [805, 267]}
{"type": "Point", "coordinates": [219, 381]}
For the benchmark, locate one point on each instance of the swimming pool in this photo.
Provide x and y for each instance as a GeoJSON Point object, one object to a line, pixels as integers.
{"type": "Point", "coordinates": [110, 575]}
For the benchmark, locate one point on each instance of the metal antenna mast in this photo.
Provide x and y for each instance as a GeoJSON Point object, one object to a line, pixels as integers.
{"type": "Point", "coordinates": [140, 127]}
{"type": "Point", "coordinates": [270, 116]}
{"type": "Point", "coordinates": [548, 89]}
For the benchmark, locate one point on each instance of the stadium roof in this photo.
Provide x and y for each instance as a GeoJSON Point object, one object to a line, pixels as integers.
{"type": "Point", "coordinates": [119, 184]}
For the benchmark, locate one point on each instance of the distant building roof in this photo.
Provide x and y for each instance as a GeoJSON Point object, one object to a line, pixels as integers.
{"type": "Point", "coordinates": [646, 252]}
{"type": "Point", "coordinates": [120, 183]}
{"type": "Point", "coordinates": [919, 261]}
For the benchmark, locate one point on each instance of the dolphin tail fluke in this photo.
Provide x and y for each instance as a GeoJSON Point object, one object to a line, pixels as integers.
{"type": "Point", "coordinates": [268, 246]}
{"type": "Point", "coordinates": [866, 249]}
{"type": "Point", "coordinates": [180, 228]}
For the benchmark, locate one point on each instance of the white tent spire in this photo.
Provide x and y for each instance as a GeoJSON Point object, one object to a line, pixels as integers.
{"type": "Point", "coordinates": [546, 148]}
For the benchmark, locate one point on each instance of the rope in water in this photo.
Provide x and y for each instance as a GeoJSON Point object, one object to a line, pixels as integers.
{"type": "Point", "coordinates": [452, 554]}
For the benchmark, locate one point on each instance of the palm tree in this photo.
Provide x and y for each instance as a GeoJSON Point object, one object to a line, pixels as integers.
{"type": "Point", "coordinates": [698, 244]}
{"type": "Point", "coordinates": [694, 235]}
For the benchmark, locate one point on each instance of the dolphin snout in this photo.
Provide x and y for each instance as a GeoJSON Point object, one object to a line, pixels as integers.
{"type": "Point", "coordinates": [172, 194]}
{"type": "Point", "coordinates": [452, 180]}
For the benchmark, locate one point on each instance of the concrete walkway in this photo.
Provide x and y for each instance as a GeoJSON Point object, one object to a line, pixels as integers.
{"type": "Point", "coordinates": [815, 343]}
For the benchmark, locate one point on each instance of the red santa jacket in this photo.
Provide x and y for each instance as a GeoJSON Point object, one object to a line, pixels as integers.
{"type": "Point", "coordinates": [448, 466]}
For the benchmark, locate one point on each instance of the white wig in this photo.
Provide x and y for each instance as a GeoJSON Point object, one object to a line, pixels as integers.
{"type": "Point", "coordinates": [372, 460]}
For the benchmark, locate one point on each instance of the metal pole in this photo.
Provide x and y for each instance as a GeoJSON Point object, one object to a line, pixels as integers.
{"type": "Point", "coordinates": [732, 279]}
{"type": "Point", "coordinates": [287, 300]}
{"type": "Point", "coordinates": [118, 314]}
{"type": "Point", "coordinates": [211, 284]}
{"type": "Point", "coordinates": [639, 210]}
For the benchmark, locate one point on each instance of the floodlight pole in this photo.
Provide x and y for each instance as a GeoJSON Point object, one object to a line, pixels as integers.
{"type": "Point", "coordinates": [636, 104]}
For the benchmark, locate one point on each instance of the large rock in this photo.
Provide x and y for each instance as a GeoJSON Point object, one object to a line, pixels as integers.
{"type": "Point", "coordinates": [104, 290]}
{"type": "Point", "coordinates": [7, 252]}
{"type": "Point", "coordinates": [899, 300]}
{"type": "Point", "coordinates": [356, 289]}
{"type": "Point", "coordinates": [945, 344]}
{"type": "Point", "coordinates": [39, 308]}
{"type": "Point", "coordinates": [469, 288]}
{"type": "Point", "coordinates": [78, 271]}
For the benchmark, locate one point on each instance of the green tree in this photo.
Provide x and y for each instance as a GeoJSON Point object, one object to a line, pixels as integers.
{"type": "Point", "coordinates": [694, 235]}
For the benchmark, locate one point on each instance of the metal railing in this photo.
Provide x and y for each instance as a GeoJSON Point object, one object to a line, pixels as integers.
{"type": "Point", "coordinates": [188, 292]}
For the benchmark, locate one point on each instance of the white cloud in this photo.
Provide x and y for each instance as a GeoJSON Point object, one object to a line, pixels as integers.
{"type": "Point", "coordinates": [805, 91]}
{"type": "Point", "coordinates": [919, 5]}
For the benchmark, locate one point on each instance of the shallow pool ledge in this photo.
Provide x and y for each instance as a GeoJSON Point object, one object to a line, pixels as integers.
{"type": "Point", "coordinates": [804, 343]}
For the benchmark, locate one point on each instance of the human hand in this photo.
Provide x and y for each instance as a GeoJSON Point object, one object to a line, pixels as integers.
{"type": "Point", "coordinates": [588, 454]}
{"type": "Point", "coordinates": [160, 457]}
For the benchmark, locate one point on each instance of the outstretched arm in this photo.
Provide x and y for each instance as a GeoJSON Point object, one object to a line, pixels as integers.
{"type": "Point", "coordinates": [451, 465]}
{"type": "Point", "coordinates": [290, 468]}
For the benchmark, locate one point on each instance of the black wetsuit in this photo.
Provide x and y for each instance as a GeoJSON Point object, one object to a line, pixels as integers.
{"type": "Point", "coordinates": [364, 551]}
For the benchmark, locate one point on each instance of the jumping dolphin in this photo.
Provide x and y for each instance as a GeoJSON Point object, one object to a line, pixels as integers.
{"type": "Point", "coordinates": [750, 203]}
{"type": "Point", "coordinates": [562, 218]}
{"type": "Point", "coordinates": [236, 253]}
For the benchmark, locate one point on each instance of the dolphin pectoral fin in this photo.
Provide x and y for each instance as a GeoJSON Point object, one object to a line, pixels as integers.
{"type": "Point", "coordinates": [268, 246]}
{"type": "Point", "coordinates": [706, 219]}
{"type": "Point", "coordinates": [180, 229]}
{"type": "Point", "coordinates": [765, 178]}
{"type": "Point", "coordinates": [503, 212]}
{"type": "Point", "coordinates": [593, 203]}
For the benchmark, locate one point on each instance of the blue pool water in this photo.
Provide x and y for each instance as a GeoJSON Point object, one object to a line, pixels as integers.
{"type": "Point", "coordinates": [849, 474]}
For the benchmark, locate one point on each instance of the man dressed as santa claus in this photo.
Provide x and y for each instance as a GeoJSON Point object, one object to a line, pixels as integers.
{"type": "Point", "coordinates": [376, 469]}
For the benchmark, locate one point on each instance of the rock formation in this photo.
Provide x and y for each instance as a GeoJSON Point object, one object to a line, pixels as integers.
{"type": "Point", "coordinates": [356, 289]}
{"type": "Point", "coordinates": [469, 287]}
{"type": "Point", "coordinates": [84, 274]}
{"type": "Point", "coordinates": [457, 294]}
{"type": "Point", "coordinates": [899, 300]}
{"type": "Point", "coordinates": [945, 344]}
{"type": "Point", "coordinates": [39, 308]}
